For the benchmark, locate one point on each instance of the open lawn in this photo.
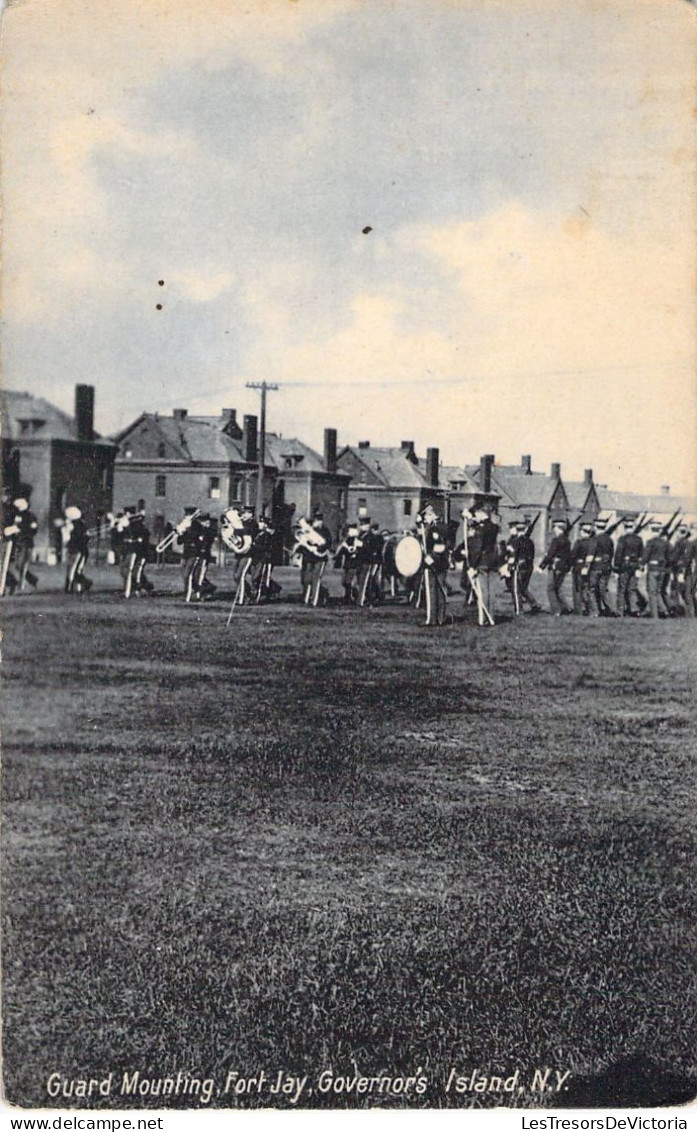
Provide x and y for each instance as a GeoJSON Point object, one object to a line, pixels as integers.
{"type": "Point", "coordinates": [333, 840]}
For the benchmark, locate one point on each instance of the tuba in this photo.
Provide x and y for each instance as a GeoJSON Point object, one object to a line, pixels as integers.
{"type": "Point", "coordinates": [234, 533]}
{"type": "Point", "coordinates": [311, 540]}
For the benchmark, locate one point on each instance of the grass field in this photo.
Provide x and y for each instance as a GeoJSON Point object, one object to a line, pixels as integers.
{"type": "Point", "coordinates": [333, 840]}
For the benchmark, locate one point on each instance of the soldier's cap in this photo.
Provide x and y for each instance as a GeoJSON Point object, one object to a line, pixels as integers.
{"type": "Point", "coordinates": [353, 530]}
{"type": "Point", "coordinates": [130, 510]}
{"type": "Point", "coordinates": [656, 524]}
{"type": "Point", "coordinates": [683, 527]}
{"type": "Point", "coordinates": [318, 517]}
{"type": "Point", "coordinates": [247, 510]}
{"type": "Point", "coordinates": [559, 523]}
{"type": "Point", "coordinates": [73, 513]}
{"type": "Point", "coordinates": [601, 521]}
{"type": "Point", "coordinates": [587, 525]}
{"type": "Point", "coordinates": [21, 504]}
{"type": "Point", "coordinates": [189, 510]}
{"type": "Point", "coordinates": [629, 520]}
{"type": "Point", "coordinates": [364, 520]}
{"type": "Point", "coordinates": [205, 517]}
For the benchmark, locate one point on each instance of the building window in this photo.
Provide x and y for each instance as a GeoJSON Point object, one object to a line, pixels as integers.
{"type": "Point", "coordinates": [407, 506]}
{"type": "Point", "coordinates": [161, 451]}
{"type": "Point", "coordinates": [214, 487]}
{"type": "Point", "coordinates": [160, 486]}
{"type": "Point", "coordinates": [127, 453]}
{"type": "Point", "coordinates": [235, 491]}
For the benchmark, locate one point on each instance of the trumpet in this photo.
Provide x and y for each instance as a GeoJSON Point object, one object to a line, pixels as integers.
{"type": "Point", "coordinates": [174, 534]}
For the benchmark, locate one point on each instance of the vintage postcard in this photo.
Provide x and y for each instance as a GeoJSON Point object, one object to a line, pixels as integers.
{"type": "Point", "coordinates": [349, 555]}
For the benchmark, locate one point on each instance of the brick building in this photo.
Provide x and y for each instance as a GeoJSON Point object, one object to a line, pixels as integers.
{"type": "Point", "coordinates": [526, 494]}
{"type": "Point", "coordinates": [56, 460]}
{"type": "Point", "coordinates": [178, 461]}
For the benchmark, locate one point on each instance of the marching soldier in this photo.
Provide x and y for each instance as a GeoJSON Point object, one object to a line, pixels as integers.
{"type": "Point", "coordinates": [478, 553]}
{"type": "Point", "coordinates": [558, 561]}
{"type": "Point", "coordinates": [434, 538]}
{"type": "Point", "coordinates": [314, 546]}
{"type": "Point", "coordinates": [188, 538]}
{"type": "Point", "coordinates": [655, 562]}
{"type": "Point", "coordinates": [135, 546]}
{"type": "Point", "coordinates": [370, 545]}
{"type": "Point", "coordinates": [582, 558]}
{"type": "Point", "coordinates": [680, 559]}
{"type": "Point", "coordinates": [627, 566]}
{"type": "Point", "coordinates": [28, 525]}
{"type": "Point", "coordinates": [262, 561]}
{"type": "Point", "coordinates": [518, 567]}
{"type": "Point", "coordinates": [10, 531]}
{"type": "Point", "coordinates": [346, 559]}
{"type": "Point", "coordinates": [601, 568]}
{"type": "Point", "coordinates": [77, 548]}
{"type": "Point", "coordinates": [206, 533]}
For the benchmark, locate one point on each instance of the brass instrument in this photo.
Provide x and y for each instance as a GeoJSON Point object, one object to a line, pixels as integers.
{"type": "Point", "coordinates": [174, 534]}
{"type": "Point", "coordinates": [311, 540]}
{"type": "Point", "coordinates": [234, 532]}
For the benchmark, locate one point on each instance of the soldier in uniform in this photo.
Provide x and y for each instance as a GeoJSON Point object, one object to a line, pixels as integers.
{"type": "Point", "coordinates": [10, 531]}
{"type": "Point", "coordinates": [680, 559]}
{"type": "Point", "coordinates": [206, 533]}
{"type": "Point", "coordinates": [346, 559]}
{"type": "Point", "coordinates": [627, 566]}
{"type": "Point", "coordinates": [78, 552]}
{"type": "Point", "coordinates": [582, 560]}
{"type": "Point", "coordinates": [434, 537]}
{"type": "Point", "coordinates": [188, 539]}
{"type": "Point", "coordinates": [601, 569]}
{"type": "Point", "coordinates": [558, 561]}
{"type": "Point", "coordinates": [262, 561]}
{"type": "Point", "coordinates": [478, 553]}
{"type": "Point", "coordinates": [655, 562]}
{"type": "Point", "coordinates": [370, 545]}
{"type": "Point", "coordinates": [314, 553]}
{"type": "Point", "coordinates": [28, 525]}
{"type": "Point", "coordinates": [518, 567]}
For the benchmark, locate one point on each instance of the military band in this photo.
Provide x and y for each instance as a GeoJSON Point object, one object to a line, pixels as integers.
{"type": "Point", "coordinates": [373, 562]}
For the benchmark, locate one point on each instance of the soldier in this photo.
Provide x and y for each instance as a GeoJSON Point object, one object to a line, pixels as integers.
{"type": "Point", "coordinates": [262, 561]}
{"type": "Point", "coordinates": [601, 569]}
{"type": "Point", "coordinates": [206, 533]}
{"type": "Point", "coordinates": [627, 566]}
{"type": "Point", "coordinates": [582, 559]}
{"type": "Point", "coordinates": [655, 562]}
{"type": "Point", "coordinates": [346, 559]}
{"type": "Point", "coordinates": [680, 559]}
{"type": "Point", "coordinates": [478, 553]}
{"type": "Point", "coordinates": [10, 531]}
{"type": "Point", "coordinates": [135, 546]}
{"type": "Point", "coordinates": [28, 525]}
{"type": "Point", "coordinates": [434, 538]}
{"type": "Point", "coordinates": [77, 549]}
{"type": "Point", "coordinates": [370, 545]}
{"type": "Point", "coordinates": [518, 566]}
{"type": "Point", "coordinates": [558, 561]}
{"type": "Point", "coordinates": [315, 545]}
{"type": "Point", "coordinates": [691, 575]}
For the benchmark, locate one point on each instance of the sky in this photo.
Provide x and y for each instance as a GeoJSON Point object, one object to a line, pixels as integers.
{"type": "Point", "coordinates": [526, 170]}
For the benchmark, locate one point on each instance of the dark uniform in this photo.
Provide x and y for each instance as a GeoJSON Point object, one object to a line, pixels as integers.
{"type": "Point", "coordinates": [135, 549]}
{"type": "Point", "coordinates": [601, 570]}
{"type": "Point", "coordinates": [434, 537]}
{"type": "Point", "coordinates": [346, 559]}
{"type": "Point", "coordinates": [627, 566]}
{"type": "Point", "coordinates": [557, 561]}
{"type": "Point", "coordinates": [369, 561]}
{"type": "Point", "coordinates": [656, 560]}
{"type": "Point", "coordinates": [28, 525]}
{"type": "Point", "coordinates": [582, 562]}
{"type": "Point", "coordinates": [78, 553]}
{"type": "Point", "coordinates": [206, 532]}
{"type": "Point", "coordinates": [10, 531]}
{"type": "Point", "coordinates": [479, 555]}
{"type": "Point", "coordinates": [313, 563]}
{"type": "Point", "coordinates": [262, 562]}
{"type": "Point", "coordinates": [680, 556]}
{"type": "Point", "coordinates": [518, 567]}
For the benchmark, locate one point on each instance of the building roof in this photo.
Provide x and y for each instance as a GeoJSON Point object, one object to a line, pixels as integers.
{"type": "Point", "coordinates": [662, 504]}
{"type": "Point", "coordinates": [391, 466]}
{"type": "Point", "coordinates": [577, 493]}
{"type": "Point", "coordinates": [26, 417]}
{"type": "Point", "coordinates": [453, 473]}
{"type": "Point", "coordinates": [518, 488]}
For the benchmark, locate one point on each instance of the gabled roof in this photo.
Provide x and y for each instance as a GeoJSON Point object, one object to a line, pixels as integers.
{"type": "Point", "coordinates": [390, 466]}
{"type": "Point", "coordinates": [26, 417]}
{"type": "Point", "coordinates": [448, 474]}
{"type": "Point", "coordinates": [577, 493]}
{"type": "Point", "coordinates": [281, 449]}
{"type": "Point", "coordinates": [517, 488]}
{"type": "Point", "coordinates": [660, 504]}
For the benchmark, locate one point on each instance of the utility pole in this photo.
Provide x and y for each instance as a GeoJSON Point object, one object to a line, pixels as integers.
{"type": "Point", "coordinates": [263, 386]}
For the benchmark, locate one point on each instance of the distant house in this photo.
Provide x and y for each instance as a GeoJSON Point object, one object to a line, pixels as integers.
{"type": "Point", "coordinates": [178, 461]}
{"type": "Point", "coordinates": [56, 460]}
{"type": "Point", "coordinates": [526, 494]}
{"type": "Point", "coordinates": [583, 498]}
{"type": "Point", "coordinates": [392, 485]}
{"type": "Point", "coordinates": [617, 504]}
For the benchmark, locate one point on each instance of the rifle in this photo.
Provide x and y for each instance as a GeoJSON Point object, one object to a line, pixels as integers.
{"type": "Point", "coordinates": [570, 526]}
{"type": "Point", "coordinates": [666, 531]}
{"type": "Point", "coordinates": [611, 530]}
{"type": "Point", "coordinates": [531, 526]}
{"type": "Point", "coordinates": [642, 523]}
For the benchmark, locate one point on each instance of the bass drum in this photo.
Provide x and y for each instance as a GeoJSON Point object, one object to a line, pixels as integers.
{"type": "Point", "coordinates": [408, 556]}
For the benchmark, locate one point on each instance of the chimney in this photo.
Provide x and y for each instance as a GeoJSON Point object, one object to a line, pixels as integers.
{"type": "Point", "coordinates": [364, 444]}
{"type": "Point", "coordinates": [588, 476]}
{"type": "Point", "coordinates": [180, 414]}
{"type": "Point", "coordinates": [330, 449]}
{"type": "Point", "coordinates": [84, 411]}
{"type": "Point", "coordinates": [432, 455]}
{"type": "Point", "coordinates": [665, 489]}
{"type": "Point", "coordinates": [249, 439]}
{"type": "Point", "coordinates": [229, 415]}
{"type": "Point", "coordinates": [556, 471]}
{"type": "Point", "coordinates": [408, 447]}
{"type": "Point", "coordinates": [230, 425]}
{"type": "Point", "coordinates": [485, 466]}
{"type": "Point", "coordinates": [526, 465]}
